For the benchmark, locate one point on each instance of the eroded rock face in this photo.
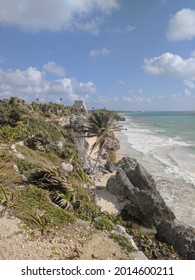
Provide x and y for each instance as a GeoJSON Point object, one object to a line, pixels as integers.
{"type": "Point", "coordinates": [109, 166]}
{"type": "Point", "coordinates": [148, 207]}
{"type": "Point", "coordinates": [112, 144]}
{"type": "Point", "coordinates": [134, 185]}
{"type": "Point", "coordinates": [182, 239]}
{"type": "Point", "coordinates": [119, 185]}
{"type": "Point", "coordinates": [87, 165]}
{"type": "Point", "coordinates": [136, 173]}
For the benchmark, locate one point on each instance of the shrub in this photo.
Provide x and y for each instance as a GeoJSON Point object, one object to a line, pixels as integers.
{"type": "Point", "coordinates": [104, 223]}
{"type": "Point", "coordinates": [9, 134]}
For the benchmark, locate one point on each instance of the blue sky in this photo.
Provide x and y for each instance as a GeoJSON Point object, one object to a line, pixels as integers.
{"type": "Point", "coordinates": [118, 54]}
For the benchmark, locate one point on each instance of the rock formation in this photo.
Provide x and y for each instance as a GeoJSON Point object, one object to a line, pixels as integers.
{"type": "Point", "coordinates": [177, 235]}
{"type": "Point", "coordinates": [135, 188]}
{"type": "Point", "coordinates": [143, 203]}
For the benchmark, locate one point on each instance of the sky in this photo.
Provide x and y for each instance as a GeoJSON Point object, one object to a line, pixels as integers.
{"type": "Point", "coordinates": [117, 54]}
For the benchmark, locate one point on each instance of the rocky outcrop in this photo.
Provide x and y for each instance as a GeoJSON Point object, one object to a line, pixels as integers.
{"type": "Point", "coordinates": [177, 235]}
{"type": "Point", "coordinates": [135, 187]}
{"type": "Point", "coordinates": [120, 186]}
{"type": "Point", "coordinates": [137, 174]}
{"type": "Point", "coordinates": [87, 165]}
{"type": "Point", "coordinates": [109, 166]}
{"type": "Point", "coordinates": [112, 144]}
{"type": "Point", "coordinates": [136, 190]}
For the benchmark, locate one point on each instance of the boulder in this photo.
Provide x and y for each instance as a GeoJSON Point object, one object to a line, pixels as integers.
{"type": "Point", "coordinates": [177, 235]}
{"type": "Point", "coordinates": [110, 167]}
{"type": "Point", "coordinates": [119, 185]}
{"type": "Point", "coordinates": [148, 208]}
{"type": "Point", "coordinates": [87, 165]}
{"type": "Point", "coordinates": [136, 173]}
{"type": "Point", "coordinates": [141, 202]}
{"type": "Point", "coordinates": [112, 144]}
{"type": "Point", "coordinates": [67, 166]}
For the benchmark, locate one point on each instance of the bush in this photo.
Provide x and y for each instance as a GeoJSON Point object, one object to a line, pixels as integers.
{"type": "Point", "coordinates": [10, 134]}
{"type": "Point", "coordinates": [34, 204]}
{"type": "Point", "coordinates": [104, 223]}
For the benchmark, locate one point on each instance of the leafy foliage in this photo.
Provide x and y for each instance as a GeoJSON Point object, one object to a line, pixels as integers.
{"type": "Point", "coordinates": [153, 248]}
{"type": "Point", "coordinates": [104, 223]}
{"type": "Point", "coordinates": [122, 241]}
{"type": "Point", "coordinates": [101, 124]}
{"type": "Point", "coordinates": [10, 134]}
{"type": "Point", "coordinates": [37, 211]}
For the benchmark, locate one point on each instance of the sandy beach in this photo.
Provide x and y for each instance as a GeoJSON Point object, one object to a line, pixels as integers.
{"type": "Point", "coordinates": [106, 201]}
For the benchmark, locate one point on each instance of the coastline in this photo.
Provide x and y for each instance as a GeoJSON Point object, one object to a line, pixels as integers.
{"type": "Point", "coordinates": [167, 159]}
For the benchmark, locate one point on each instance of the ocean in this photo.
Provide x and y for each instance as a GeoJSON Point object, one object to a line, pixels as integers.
{"type": "Point", "coordinates": [164, 143]}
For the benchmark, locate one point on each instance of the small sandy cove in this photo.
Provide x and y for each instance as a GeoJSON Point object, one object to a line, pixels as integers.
{"type": "Point", "coordinates": [105, 200]}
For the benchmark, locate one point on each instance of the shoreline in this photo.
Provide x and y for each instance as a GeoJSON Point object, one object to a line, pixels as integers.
{"type": "Point", "coordinates": [178, 193]}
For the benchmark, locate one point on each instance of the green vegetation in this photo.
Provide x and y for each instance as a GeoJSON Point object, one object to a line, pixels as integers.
{"type": "Point", "coordinates": [37, 211]}
{"type": "Point", "coordinates": [10, 134]}
{"type": "Point", "coordinates": [101, 124]}
{"type": "Point", "coordinates": [153, 248]}
{"type": "Point", "coordinates": [6, 198]}
{"type": "Point", "coordinates": [122, 241]}
{"type": "Point", "coordinates": [104, 223]}
{"type": "Point", "coordinates": [84, 205]}
{"type": "Point", "coordinates": [35, 188]}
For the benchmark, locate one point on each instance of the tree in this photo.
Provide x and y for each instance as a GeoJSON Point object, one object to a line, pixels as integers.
{"type": "Point", "coordinates": [101, 125]}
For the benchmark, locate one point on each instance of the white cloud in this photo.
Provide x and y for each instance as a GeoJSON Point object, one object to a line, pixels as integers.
{"type": "Point", "coordinates": [189, 84]}
{"type": "Point", "coordinates": [31, 83]}
{"type": "Point", "coordinates": [172, 65]}
{"type": "Point", "coordinates": [182, 25]}
{"type": "Point", "coordinates": [54, 15]}
{"type": "Point", "coordinates": [193, 53]}
{"type": "Point", "coordinates": [52, 68]}
{"type": "Point", "coordinates": [121, 30]}
{"type": "Point", "coordinates": [187, 92]}
{"type": "Point", "coordinates": [91, 26]}
{"type": "Point", "coordinates": [100, 52]}
{"type": "Point", "coordinates": [128, 99]}
{"type": "Point", "coordinates": [87, 88]}
{"type": "Point", "coordinates": [121, 82]}
{"type": "Point", "coordinates": [137, 99]}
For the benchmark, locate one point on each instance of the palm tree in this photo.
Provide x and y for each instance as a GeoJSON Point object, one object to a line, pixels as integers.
{"type": "Point", "coordinates": [101, 125]}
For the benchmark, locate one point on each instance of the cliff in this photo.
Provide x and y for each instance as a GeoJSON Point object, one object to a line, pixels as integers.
{"type": "Point", "coordinates": [47, 187]}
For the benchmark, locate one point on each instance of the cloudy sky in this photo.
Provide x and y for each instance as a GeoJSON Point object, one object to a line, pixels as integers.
{"type": "Point", "coordinates": [118, 54]}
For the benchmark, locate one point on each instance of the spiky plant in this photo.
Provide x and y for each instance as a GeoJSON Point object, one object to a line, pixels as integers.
{"type": "Point", "coordinates": [49, 178]}
{"type": "Point", "coordinates": [62, 200]}
{"type": "Point", "coordinates": [38, 220]}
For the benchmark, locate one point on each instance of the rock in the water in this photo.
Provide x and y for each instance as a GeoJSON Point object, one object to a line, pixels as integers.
{"type": "Point", "coordinates": [136, 173]}
{"type": "Point", "coordinates": [182, 239]}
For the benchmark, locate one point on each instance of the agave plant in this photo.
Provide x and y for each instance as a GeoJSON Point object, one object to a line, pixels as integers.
{"type": "Point", "coordinates": [62, 200]}
{"type": "Point", "coordinates": [49, 178]}
{"type": "Point", "coordinates": [37, 219]}
{"type": "Point", "coordinates": [6, 200]}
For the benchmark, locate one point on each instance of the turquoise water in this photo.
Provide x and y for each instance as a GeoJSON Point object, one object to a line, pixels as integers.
{"type": "Point", "coordinates": [164, 142]}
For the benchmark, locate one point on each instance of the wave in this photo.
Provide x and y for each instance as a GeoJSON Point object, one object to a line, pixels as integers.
{"type": "Point", "coordinates": [164, 150]}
